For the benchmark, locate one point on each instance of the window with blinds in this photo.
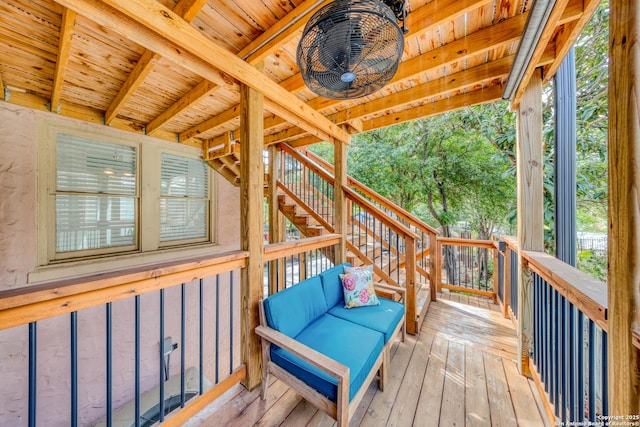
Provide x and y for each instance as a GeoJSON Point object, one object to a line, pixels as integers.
{"type": "Point", "coordinates": [96, 198]}
{"type": "Point", "coordinates": [184, 200]}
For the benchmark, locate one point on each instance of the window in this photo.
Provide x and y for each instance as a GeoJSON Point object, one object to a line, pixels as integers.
{"type": "Point", "coordinates": [184, 198]}
{"type": "Point", "coordinates": [96, 198]}
{"type": "Point", "coordinates": [107, 193]}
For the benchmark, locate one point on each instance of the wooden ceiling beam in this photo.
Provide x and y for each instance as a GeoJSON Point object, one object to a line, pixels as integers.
{"type": "Point", "coordinates": [455, 82]}
{"type": "Point", "coordinates": [503, 33]}
{"type": "Point", "coordinates": [420, 21]}
{"type": "Point", "coordinates": [260, 48]}
{"type": "Point", "coordinates": [187, 9]}
{"type": "Point", "coordinates": [157, 19]}
{"type": "Point", "coordinates": [67, 28]}
{"type": "Point", "coordinates": [552, 23]}
{"type": "Point", "coordinates": [568, 35]}
{"type": "Point", "coordinates": [492, 93]}
{"type": "Point", "coordinates": [195, 95]}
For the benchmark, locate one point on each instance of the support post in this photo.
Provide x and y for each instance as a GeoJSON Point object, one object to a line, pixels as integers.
{"type": "Point", "coordinates": [530, 207]}
{"type": "Point", "coordinates": [624, 210]}
{"type": "Point", "coordinates": [251, 228]}
{"type": "Point", "coordinates": [565, 161]}
{"type": "Point", "coordinates": [339, 199]}
{"type": "Point", "coordinates": [276, 224]}
{"type": "Point", "coordinates": [434, 277]}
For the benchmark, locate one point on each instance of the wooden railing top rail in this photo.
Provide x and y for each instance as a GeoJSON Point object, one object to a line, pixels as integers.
{"type": "Point", "coordinates": [276, 251]}
{"type": "Point", "coordinates": [455, 241]}
{"type": "Point", "coordinates": [588, 294]}
{"type": "Point", "coordinates": [308, 163]}
{"type": "Point", "coordinates": [388, 204]}
{"type": "Point", "coordinates": [510, 241]}
{"type": "Point", "coordinates": [374, 211]}
{"type": "Point", "coordinates": [38, 302]}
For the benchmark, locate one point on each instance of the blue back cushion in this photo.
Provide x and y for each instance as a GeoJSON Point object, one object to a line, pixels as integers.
{"type": "Point", "coordinates": [291, 310]}
{"type": "Point", "coordinates": [332, 285]}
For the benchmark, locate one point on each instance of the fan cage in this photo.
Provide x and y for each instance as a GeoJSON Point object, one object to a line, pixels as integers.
{"type": "Point", "coordinates": [350, 49]}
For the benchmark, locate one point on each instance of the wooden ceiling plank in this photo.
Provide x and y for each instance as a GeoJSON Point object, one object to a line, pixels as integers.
{"type": "Point", "coordinates": [281, 33]}
{"type": "Point", "coordinates": [565, 40]}
{"type": "Point", "coordinates": [438, 12]}
{"type": "Point", "coordinates": [161, 21]}
{"type": "Point", "coordinates": [548, 31]}
{"type": "Point", "coordinates": [187, 9]}
{"type": "Point", "coordinates": [490, 94]}
{"type": "Point", "coordinates": [195, 95]}
{"type": "Point", "coordinates": [67, 29]}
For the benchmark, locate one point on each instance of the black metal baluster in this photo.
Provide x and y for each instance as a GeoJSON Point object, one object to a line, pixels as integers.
{"type": "Point", "coordinates": [137, 363]}
{"type": "Point", "coordinates": [33, 380]}
{"type": "Point", "coordinates": [74, 369]}
{"type": "Point", "coordinates": [109, 333]}
{"type": "Point", "coordinates": [183, 338]}
{"type": "Point", "coordinates": [162, 363]}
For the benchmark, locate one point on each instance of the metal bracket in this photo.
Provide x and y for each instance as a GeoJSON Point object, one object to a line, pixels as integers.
{"type": "Point", "coordinates": [7, 94]}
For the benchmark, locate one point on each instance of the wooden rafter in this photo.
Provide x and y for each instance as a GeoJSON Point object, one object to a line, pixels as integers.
{"type": "Point", "coordinates": [67, 29]}
{"type": "Point", "coordinates": [455, 82]}
{"type": "Point", "coordinates": [489, 94]}
{"type": "Point", "coordinates": [569, 34]}
{"type": "Point", "coordinates": [419, 22]}
{"type": "Point", "coordinates": [158, 29]}
{"type": "Point", "coordinates": [187, 9]}
{"type": "Point", "coordinates": [195, 95]}
{"type": "Point", "coordinates": [545, 37]}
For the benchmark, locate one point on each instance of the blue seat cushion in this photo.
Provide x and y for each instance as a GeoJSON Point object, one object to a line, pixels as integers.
{"type": "Point", "coordinates": [293, 309]}
{"type": "Point", "coordinates": [352, 345]}
{"type": "Point", "coordinates": [332, 285]}
{"type": "Point", "coordinates": [383, 318]}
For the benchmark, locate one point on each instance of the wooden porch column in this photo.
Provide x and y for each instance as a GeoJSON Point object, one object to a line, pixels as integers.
{"type": "Point", "coordinates": [339, 199]}
{"type": "Point", "coordinates": [624, 209]}
{"type": "Point", "coordinates": [530, 207]}
{"type": "Point", "coordinates": [251, 228]}
{"type": "Point", "coordinates": [276, 222]}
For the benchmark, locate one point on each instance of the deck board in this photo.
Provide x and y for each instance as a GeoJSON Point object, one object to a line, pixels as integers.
{"type": "Point", "coordinates": [459, 371]}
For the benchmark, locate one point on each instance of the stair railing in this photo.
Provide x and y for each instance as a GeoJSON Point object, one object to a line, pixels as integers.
{"type": "Point", "coordinates": [426, 235]}
{"type": "Point", "coordinates": [373, 236]}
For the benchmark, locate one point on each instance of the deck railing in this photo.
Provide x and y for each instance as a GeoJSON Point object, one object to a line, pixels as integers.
{"type": "Point", "coordinates": [289, 263]}
{"type": "Point", "coordinates": [468, 265]}
{"type": "Point", "coordinates": [166, 341]}
{"type": "Point", "coordinates": [569, 348]}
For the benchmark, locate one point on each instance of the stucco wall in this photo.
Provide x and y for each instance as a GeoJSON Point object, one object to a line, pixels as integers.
{"type": "Point", "coordinates": [18, 259]}
{"type": "Point", "coordinates": [17, 194]}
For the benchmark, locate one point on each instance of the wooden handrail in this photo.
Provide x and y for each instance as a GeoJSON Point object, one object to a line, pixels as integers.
{"type": "Point", "coordinates": [388, 204]}
{"type": "Point", "coordinates": [308, 163]}
{"type": "Point", "coordinates": [33, 303]}
{"type": "Point", "coordinates": [455, 241]}
{"type": "Point", "coordinates": [588, 294]}
{"type": "Point", "coordinates": [374, 211]}
{"type": "Point", "coordinates": [276, 251]}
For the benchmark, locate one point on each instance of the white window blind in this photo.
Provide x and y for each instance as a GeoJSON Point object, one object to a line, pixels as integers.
{"type": "Point", "coordinates": [96, 194]}
{"type": "Point", "coordinates": [184, 201]}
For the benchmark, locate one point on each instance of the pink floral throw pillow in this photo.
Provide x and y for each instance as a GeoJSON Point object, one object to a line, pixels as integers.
{"type": "Point", "coordinates": [358, 289]}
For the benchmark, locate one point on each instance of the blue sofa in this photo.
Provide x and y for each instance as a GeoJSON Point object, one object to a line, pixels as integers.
{"type": "Point", "coordinates": [327, 353]}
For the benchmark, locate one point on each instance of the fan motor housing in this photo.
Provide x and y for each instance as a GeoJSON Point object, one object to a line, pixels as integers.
{"type": "Point", "coordinates": [350, 49]}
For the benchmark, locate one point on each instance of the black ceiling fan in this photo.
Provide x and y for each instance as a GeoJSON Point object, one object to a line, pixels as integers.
{"type": "Point", "coordinates": [351, 48]}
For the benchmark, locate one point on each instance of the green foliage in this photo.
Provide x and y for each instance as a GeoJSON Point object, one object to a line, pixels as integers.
{"type": "Point", "coordinates": [593, 264]}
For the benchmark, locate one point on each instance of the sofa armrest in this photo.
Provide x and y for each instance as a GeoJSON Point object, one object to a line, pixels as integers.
{"type": "Point", "coordinates": [392, 290]}
{"type": "Point", "coordinates": [315, 358]}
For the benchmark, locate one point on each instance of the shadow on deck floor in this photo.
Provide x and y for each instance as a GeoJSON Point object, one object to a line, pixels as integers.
{"type": "Point", "coordinates": [460, 371]}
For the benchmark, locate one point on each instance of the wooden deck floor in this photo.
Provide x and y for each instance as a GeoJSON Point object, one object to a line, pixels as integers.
{"type": "Point", "coordinates": [460, 371]}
